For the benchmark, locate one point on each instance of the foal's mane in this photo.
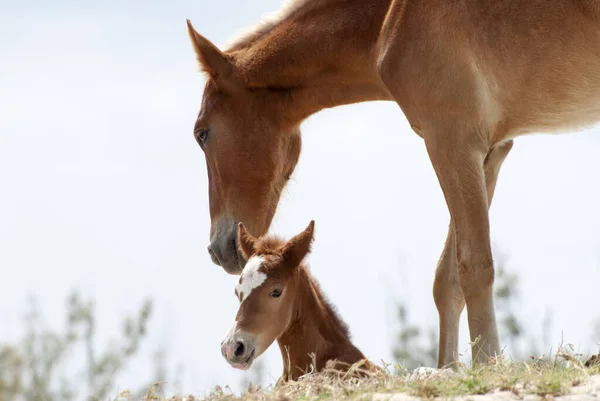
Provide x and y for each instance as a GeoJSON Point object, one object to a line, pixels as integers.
{"type": "Point", "coordinates": [271, 245]}
{"type": "Point", "coordinates": [268, 245]}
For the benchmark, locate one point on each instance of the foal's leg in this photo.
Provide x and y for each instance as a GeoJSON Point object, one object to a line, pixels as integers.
{"type": "Point", "coordinates": [458, 159]}
{"type": "Point", "coordinates": [447, 293]}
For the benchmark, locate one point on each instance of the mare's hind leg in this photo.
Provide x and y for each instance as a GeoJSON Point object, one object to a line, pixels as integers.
{"type": "Point", "coordinates": [447, 293]}
{"type": "Point", "coordinates": [449, 301]}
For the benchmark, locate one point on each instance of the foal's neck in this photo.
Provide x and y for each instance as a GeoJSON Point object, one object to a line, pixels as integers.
{"type": "Point", "coordinates": [315, 329]}
{"type": "Point", "coordinates": [324, 51]}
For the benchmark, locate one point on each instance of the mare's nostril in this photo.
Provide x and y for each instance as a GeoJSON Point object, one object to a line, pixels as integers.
{"type": "Point", "coordinates": [239, 349]}
{"type": "Point", "coordinates": [213, 256]}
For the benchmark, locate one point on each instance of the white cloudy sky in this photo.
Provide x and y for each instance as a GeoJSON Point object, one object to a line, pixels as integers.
{"type": "Point", "coordinates": [104, 189]}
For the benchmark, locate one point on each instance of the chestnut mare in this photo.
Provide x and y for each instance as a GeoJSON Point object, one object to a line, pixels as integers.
{"type": "Point", "coordinates": [280, 300]}
{"type": "Point", "coordinates": [469, 76]}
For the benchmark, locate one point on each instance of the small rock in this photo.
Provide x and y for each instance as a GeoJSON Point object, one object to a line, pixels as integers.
{"type": "Point", "coordinates": [426, 372]}
{"type": "Point", "coordinates": [590, 387]}
{"type": "Point", "coordinates": [381, 397]}
{"type": "Point", "coordinates": [579, 397]}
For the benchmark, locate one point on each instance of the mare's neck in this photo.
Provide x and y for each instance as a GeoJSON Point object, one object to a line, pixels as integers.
{"type": "Point", "coordinates": [322, 54]}
{"type": "Point", "coordinates": [315, 329]}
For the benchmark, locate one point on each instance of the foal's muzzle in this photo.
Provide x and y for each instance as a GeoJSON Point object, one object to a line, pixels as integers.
{"type": "Point", "coordinates": [238, 351]}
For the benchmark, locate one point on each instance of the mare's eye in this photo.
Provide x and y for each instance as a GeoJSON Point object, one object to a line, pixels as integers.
{"type": "Point", "coordinates": [201, 136]}
{"type": "Point", "coordinates": [275, 294]}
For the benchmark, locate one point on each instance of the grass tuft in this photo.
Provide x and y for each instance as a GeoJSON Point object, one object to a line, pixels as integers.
{"type": "Point", "coordinates": [539, 377]}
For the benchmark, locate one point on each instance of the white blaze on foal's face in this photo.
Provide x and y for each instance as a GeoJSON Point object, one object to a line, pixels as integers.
{"type": "Point", "coordinates": [251, 278]}
{"type": "Point", "coordinates": [239, 346]}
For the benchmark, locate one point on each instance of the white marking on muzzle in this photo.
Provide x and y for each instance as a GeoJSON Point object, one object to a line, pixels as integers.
{"type": "Point", "coordinates": [251, 277]}
{"type": "Point", "coordinates": [229, 336]}
{"type": "Point", "coordinates": [231, 332]}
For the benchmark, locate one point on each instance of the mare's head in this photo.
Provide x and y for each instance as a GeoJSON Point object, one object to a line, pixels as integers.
{"type": "Point", "coordinates": [267, 292]}
{"type": "Point", "coordinates": [251, 150]}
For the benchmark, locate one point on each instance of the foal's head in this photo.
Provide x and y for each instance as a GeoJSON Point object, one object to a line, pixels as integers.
{"type": "Point", "coordinates": [267, 292]}
{"type": "Point", "coordinates": [251, 149]}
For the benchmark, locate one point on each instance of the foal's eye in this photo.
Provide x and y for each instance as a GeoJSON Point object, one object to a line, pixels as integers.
{"type": "Point", "coordinates": [201, 136]}
{"type": "Point", "coordinates": [275, 294]}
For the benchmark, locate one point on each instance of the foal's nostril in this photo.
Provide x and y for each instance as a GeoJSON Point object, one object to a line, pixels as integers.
{"type": "Point", "coordinates": [239, 349]}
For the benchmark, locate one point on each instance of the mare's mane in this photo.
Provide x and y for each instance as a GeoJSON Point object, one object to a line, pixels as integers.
{"type": "Point", "coordinates": [248, 37]}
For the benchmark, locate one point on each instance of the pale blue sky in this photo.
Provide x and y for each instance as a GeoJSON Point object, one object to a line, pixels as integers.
{"type": "Point", "coordinates": [104, 188]}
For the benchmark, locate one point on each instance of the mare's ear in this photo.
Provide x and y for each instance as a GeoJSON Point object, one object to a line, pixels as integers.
{"type": "Point", "coordinates": [211, 59]}
{"type": "Point", "coordinates": [245, 241]}
{"type": "Point", "coordinates": [298, 247]}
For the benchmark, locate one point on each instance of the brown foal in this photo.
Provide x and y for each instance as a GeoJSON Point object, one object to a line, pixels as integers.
{"type": "Point", "coordinates": [469, 76]}
{"type": "Point", "coordinates": [280, 300]}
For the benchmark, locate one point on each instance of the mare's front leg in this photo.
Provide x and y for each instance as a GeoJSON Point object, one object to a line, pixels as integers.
{"type": "Point", "coordinates": [447, 293]}
{"type": "Point", "coordinates": [458, 157]}
{"type": "Point", "coordinates": [440, 92]}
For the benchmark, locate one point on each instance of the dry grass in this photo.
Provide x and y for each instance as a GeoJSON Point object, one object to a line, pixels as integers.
{"type": "Point", "coordinates": [541, 377]}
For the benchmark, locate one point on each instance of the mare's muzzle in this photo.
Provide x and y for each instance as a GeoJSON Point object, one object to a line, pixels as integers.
{"type": "Point", "coordinates": [223, 246]}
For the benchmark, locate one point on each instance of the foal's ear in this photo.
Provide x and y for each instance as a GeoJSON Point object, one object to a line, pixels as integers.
{"type": "Point", "coordinates": [245, 241]}
{"type": "Point", "coordinates": [211, 59]}
{"type": "Point", "coordinates": [298, 247]}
